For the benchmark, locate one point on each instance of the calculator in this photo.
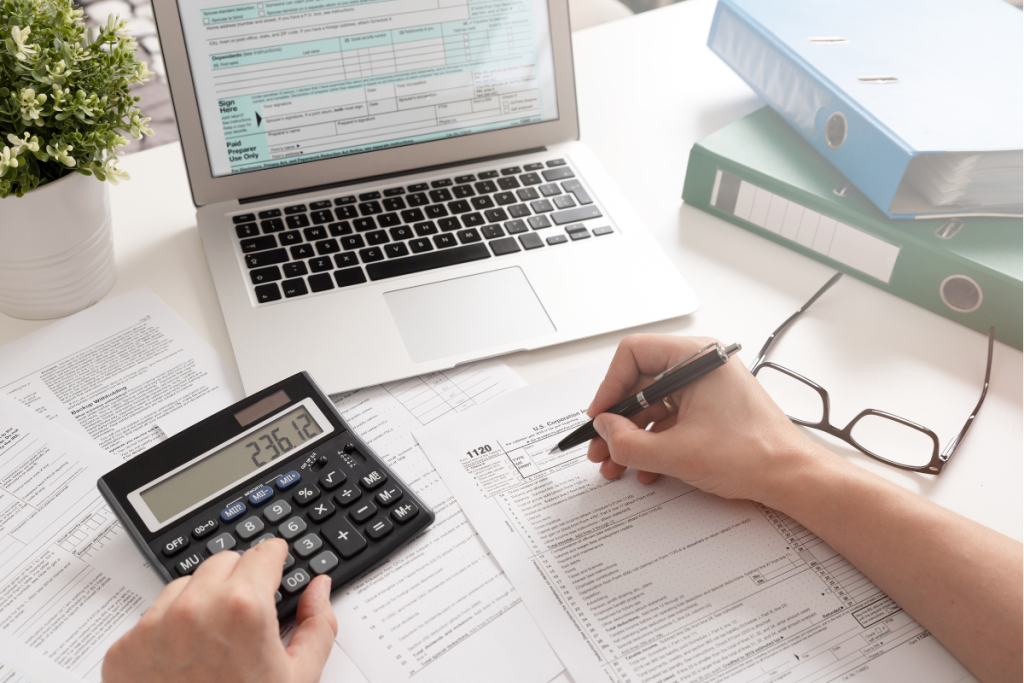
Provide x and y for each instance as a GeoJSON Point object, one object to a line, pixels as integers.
{"type": "Point", "coordinates": [282, 463]}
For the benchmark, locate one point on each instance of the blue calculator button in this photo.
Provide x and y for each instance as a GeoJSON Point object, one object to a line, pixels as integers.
{"type": "Point", "coordinates": [232, 511]}
{"type": "Point", "coordinates": [288, 480]}
{"type": "Point", "coordinates": [261, 495]}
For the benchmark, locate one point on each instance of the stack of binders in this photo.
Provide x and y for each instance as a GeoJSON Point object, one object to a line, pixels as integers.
{"type": "Point", "coordinates": [894, 151]}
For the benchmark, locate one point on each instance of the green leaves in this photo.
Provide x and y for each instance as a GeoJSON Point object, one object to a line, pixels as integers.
{"type": "Point", "coordinates": [65, 95]}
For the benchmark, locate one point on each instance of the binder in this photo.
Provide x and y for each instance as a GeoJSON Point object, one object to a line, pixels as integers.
{"type": "Point", "coordinates": [907, 98]}
{"type": "Point", "coordinates": [760, 174]}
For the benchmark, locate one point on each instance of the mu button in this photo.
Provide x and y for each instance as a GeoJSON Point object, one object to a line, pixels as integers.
{"type": "Point", "coordinates": [188, 564]}
{"type": "Point", "coordinates": [343, 537]}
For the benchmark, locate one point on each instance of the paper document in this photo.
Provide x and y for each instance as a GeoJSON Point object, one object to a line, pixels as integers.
{"type": "Point", "coordinates": [20, 665]}
{"type": "Point", "coordinates": [663, 582]}
{"type": "Point", "coordinates": [112, 373]}
{"type": "Point", "coordinates": [440, 609]}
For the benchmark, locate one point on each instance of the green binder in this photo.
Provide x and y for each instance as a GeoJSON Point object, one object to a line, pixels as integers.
{"type": "Point", "coordinates": [761, 175]}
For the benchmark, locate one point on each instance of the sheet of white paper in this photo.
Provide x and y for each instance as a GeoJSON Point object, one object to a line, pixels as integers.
{"type": "Point", "coordinates": [441, 609]}
{"type": "Point", "coordinates": [113, 372]}
{"type": "Point", "coordinates": [71, 580]}
{"type": "Point", "coordinates": [21, 665]}
{"type": "Point", "coordinates": [664, 582]}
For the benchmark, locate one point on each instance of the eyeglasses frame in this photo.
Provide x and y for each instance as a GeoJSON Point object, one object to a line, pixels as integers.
{"type": "Point", "coordinates": [938, 460]}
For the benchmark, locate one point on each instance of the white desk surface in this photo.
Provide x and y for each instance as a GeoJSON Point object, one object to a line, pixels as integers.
{"type": "Point", "coordinates": [648, 88]}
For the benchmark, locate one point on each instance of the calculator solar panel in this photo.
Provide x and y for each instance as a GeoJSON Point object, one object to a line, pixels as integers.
{"type": "Point", "coordinates": [282, 463]}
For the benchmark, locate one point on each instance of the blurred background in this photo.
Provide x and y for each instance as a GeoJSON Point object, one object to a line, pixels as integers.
{"type": "Point", "coordinates": [156, 99]}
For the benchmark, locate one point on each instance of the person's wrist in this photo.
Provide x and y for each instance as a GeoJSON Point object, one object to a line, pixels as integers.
{"type": "Point", "coordinates": [798, 466]}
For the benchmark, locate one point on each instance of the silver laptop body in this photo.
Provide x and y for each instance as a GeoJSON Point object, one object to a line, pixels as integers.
{"type": "Point", "coordinates": [396, 187]}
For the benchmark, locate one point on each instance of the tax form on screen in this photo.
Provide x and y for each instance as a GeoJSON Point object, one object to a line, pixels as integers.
{"type": "Point", "coordinates": [286, 81]}
{"type": "Point", "coordinates": [634, 583]}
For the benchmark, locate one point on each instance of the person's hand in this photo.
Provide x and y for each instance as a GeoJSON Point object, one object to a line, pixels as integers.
{"type": "Point", "coordinates": [726, 437]}
{"type": "Point", "coordinates": [220, 625]}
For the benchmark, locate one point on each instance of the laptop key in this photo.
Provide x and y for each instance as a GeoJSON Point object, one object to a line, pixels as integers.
{"type": "Point", "coordinates": [512, 170]}
{"type": "Point", "coordinates": [533, 167]}
{"type": "Point", "coordinates": [372, 254]}
{"type": "Point", "coordinates": [345, 212]}
{"type": "Point", "coordinates": [297, 208]}
{"type": "Point", "coordinates": [323, 204]}
{"type": "Point", "coordinates": [580, 213]}
{"type": "Point", "coordinates": [299, 220]}
{"type": "Point", "coordinates": [558, 239]}
{"type": "Point", "coordinates": [418, 199]}
{"type": "Point", "coordinates": [412, 215]}
{"type": "Point", "coordinates": [530, 179]}
{"type": "Point", "coordinates": [313, 234]}
{"type": "Point", "coordinates": [471, 220]}
{"type": "Point", "coordinates": [397, 249]}
{"type": "Point", "coordinates": [576, 187]}
{"type": "Point", "coordinates": [541, 206]}
{"type": "Point", "coordinates": [492, 231]}
{"type": "Point", "coordinates": [367, 196]}
{"type": "Point", "coordinates": [377, 237]}
{"type": "Point", "coordinates": [420, 245]}
{"type": "Point", "coordinates": [465, 178]}
{"type": "Point", "coordinates": [352, 242]}
{"type": "Point", "coordinates": [290, 237]}
{"type": "Point", "coordinates": [246, 230]}
{"type": "Point", "coordinates": [435, 211]}
{"type": "Point", "coordinates": [386, 220]}
{"type": "Point", "coordinates": [505, 198]}
{"type": "Point", "coordinates": [531, 241]}
{"type": "Point", "coordinates": [581, 235]}
{"type": "Point", "coordinates": [468, 236]}
{"type": "Point", "coordinates": [444, 182]}
{"type": "Point", "coordinates": [516, 227]}
{"type": "Point", "coordinates": [459, 206]}
{"type": "Point", "coordinates": [449, 224]}
{"type": "Point", "coordinates": [402, 232]}
{"type": "Point", "coordinates": [364, 224]}
{"type": "Point", "coordinates": [346, 277]}
{"type": "Point", "coordinates": [564, 202]}
{"type": "Point", "coordinates": [394, 203]}
{"type": "Point", "coordinates": [418, 187]}
{"type": "Point", "coordinates": [481, 203]}
{"type": "Point", "coordinates": [263, 275]}
{"type": "Point", "coordinates": [368, 208]}
{"type": "Point", "coordinates": [340, 228]}
{"type": "Point", "coordinates": [258, 244]}
{"type": "Point", "coordinates": [604, 230]}
{"type": "Point", "coordinates": [527, 194]}
{"type": "Point", "coordinates": [295, 269]}
{"type": "Point", "coordinates": [296, 287]}
{"type": "Point", "coordinates": [266, 293]}
{"type": "Point", "coordinates": [428, 261]}
{"type": "Point", "coordinates": [425, 228]}
{"type": "Point", "coordinates": [321, 282]}
{"type": "Point", "coordinates": [558, 173]}
{"type": "Point", "coordinates": [266, 258]}
{"type": "Point", "coordinates": [394, 191]}
{"type": "Point", "coordinates": [441, 195]}
{"type": "Point", "coordinates": [518, 211]}
{"type": "Point", "coordinates": [539, 222]}
{"type": "Point", "coordinates": [321, 217]}
{"type": "Point", "coordinates": [508, 183]}
{"type": "Point", "coordinates": [320, 264]}
{"type": "Point", "coordinates": [462, 191]}
{"type": "Point", "coordinates": [342, 201]}
{"type": "Point", "coordinates": [507, 245]}
{"type": "Point", "coordinates": [243, 218]}
{"type": "Point", "coordinates": [302, 251]}
{"type": "Point", "coordinates": [485, 187]}
{"type": "Point", "coordinates": [550, 190]}
{"type": "Point", "coordinates": [346, 259]}
{"type": "Point", "coordinates": [556, 162]}
{"type": "Point", "coordinates": [269, 213]}
{"type": "Point", "coordinates": [445, 241]}
{"type": "Point", "coordinates": [496, 215]}
{"type": "Point", "coordinates": [486, 175]}
{"type": "Point", "coordinates": [272, 225]}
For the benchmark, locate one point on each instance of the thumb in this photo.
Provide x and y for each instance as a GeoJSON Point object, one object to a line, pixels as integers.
{"type": "Point", "coordinates": [628, 445]}
{"type": "Point", "coordinates": [316, 627]}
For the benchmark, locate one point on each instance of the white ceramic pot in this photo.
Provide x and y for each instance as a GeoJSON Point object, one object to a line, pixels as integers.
{"type": "Point", "coordinates": [56, 248]}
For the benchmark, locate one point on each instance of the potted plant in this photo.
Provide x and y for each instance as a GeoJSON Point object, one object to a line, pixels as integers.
{"type": "Point", "coordinates": [65, 108]}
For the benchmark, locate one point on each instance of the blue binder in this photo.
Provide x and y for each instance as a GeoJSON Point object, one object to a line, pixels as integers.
{"type": "Point", "coordinates": [877, 86]}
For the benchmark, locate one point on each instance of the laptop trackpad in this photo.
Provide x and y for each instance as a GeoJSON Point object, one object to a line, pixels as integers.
{"type": "Point", "coordinates": [467, 314]}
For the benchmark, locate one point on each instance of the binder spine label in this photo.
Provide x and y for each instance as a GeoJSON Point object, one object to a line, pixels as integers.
{"type": "Point", "coordinates": [843, 243]}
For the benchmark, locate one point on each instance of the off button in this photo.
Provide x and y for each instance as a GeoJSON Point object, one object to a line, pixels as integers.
{"type": "Point", "coordinates": [175, 546]}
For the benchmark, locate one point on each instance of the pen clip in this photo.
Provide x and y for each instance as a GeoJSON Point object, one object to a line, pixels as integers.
{"type": "Point", "coordinates": [675, 367]}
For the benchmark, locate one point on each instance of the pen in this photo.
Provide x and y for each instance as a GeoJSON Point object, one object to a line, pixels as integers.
{"type": "Point", "coordinates": [667, 383]}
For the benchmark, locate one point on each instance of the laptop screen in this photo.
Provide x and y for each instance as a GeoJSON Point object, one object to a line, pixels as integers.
{"type": "Point", "coordinates": [283, 82]}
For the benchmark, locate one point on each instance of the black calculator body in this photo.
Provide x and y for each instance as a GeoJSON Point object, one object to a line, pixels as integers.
{"type": "Point", "coordinates": [281, 463]}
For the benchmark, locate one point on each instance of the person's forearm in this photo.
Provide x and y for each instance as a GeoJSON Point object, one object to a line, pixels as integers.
{"type": "Point", "coordinates": [962, 581]}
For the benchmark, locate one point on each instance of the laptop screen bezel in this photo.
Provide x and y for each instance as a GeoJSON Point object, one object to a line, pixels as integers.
{"type": "Point", "coordinates": [207, 189]}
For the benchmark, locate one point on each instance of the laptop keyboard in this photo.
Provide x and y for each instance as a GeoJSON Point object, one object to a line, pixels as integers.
{"type": "Point", "coordinates": [306, 248]}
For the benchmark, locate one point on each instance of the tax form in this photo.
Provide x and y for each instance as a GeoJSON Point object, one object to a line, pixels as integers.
{"type": "Point", "coordinates": [440, 609]}
{"type": "Point", "coordinates": [634, 583]}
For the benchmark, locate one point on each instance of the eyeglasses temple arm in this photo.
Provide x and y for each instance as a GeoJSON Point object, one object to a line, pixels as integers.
{"type": "Point", "coordinates": [781, 328]}
{"type": "Point", "coordinates": [956, 440]}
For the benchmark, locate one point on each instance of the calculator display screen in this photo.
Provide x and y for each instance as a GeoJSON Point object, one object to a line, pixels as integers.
{"type": "Point", "coordinates": [230, 464]}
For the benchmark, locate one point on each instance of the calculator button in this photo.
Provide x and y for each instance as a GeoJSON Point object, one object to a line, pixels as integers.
{"type": "Point", "coordinates": [205, 529]}
{"type": "Point", "coordinates": [186, 565]}
{"type": "Point", "coordinates": [332, 479]}
{"type": "Point", "coordinates": [292, 528]}
{"type": "Point", "coordinates": [347, 495]}
{"type": "Point", "coordinates": [175, 546]}
{"type": "Point", "coordinates": [295, 580]}
{"type": "Point", "coordinates": [223, 542]}
{"type": "Point", "coordinates": [321, 511]}
{"type": "Point", "coordinates": [363, 512]}
{"type": "Point", "coordinates": [307, 545]}
{"type": "Point", "coordinates": [259, 539]}
{"type": "Point", "coordinates": [261, 495]}
{"type": "Point", "coordinates": [323, 563]}
{"type": "Point", "coordinates": [373, 480]}
{"type": "Point", "coordinates": [233, 511]}
{"type": "Point", "coordinates": [288, 562]}
{"type": "Point", "coordinates": [389, 495]}
{"type": "Point", "coordinates": [379, 528]}
{"type": "Point", "coordinates": [306, 495]}
{"type": "Point", "coordinates": [288, 480]}
{"type": "Point", "coordinates": [249, 528]}
{"type": "Point", "coordinates": [343, 537]}
{"type": "Point", "coordinates": [278, 511]}
{"type": "Point", "coordinates": [403, 513]}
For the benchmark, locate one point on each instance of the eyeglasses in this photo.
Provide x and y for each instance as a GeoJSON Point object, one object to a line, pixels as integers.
{"type": "Point", "coordinates": [883, 436]}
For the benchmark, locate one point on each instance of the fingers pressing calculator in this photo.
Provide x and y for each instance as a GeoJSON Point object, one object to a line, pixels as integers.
{"type": "Point", "coordinates": [282, 463]}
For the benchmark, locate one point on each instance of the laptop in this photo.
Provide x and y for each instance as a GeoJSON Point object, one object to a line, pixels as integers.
{"type": "Point", "coordinates": [387, 188]}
